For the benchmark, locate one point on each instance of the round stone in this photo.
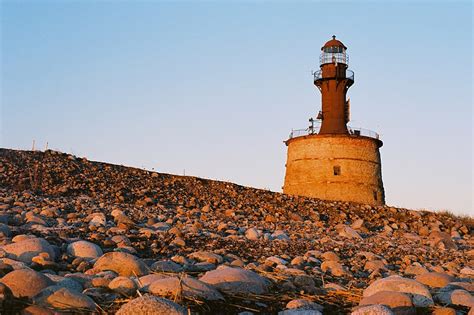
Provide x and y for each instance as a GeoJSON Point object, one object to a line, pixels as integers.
{"type": "Point", "coordinates": [236, 280]}
{"type": "Point", "coordinates": [122, 263]}
{"type": "Point", "coordinates": [123, 285]}
{"type": "Point", "coordinates": [421, 294]}
{"type": "Point", "coordinates": [26, 282]}
{"type": "Point", "coordinates": [64, 299]}
{"type": "Point", "coordinates": [435, 279]}
{"type": "Point", "coordinates": [28, 248]}
{"type": "Point", "coordinates": [148, 304]}
{"type": "Point", "coordinates": [187, 287]}
{"type": "Point", "coordinates": [84, 249]}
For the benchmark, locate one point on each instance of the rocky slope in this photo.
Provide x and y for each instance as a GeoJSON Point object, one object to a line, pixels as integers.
{"type": "Point", "coordinates": [89, 237]}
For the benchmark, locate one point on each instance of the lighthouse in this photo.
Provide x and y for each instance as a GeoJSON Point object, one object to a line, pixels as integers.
{"type": "Point", "coordinates": [330, 159]}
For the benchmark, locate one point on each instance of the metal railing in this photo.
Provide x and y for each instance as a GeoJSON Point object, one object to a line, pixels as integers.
{"type": "Point", "coordinates": [353, 131]}
{"type": "Point", "coordinates": [318, 75]}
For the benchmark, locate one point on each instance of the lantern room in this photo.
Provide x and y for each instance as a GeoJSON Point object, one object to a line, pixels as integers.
{"type": "Point", "coordinates": [334, 52]}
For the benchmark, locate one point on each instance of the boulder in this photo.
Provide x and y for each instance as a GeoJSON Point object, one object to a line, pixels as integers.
{"type": "Point", "coordinates": [123, 285]}
{"type": "Point", "coordinates": [400, 303]}
{"type": "Point", "coordinates": [187, 287]}
{"type": "Point", "coordinates": [442, 240]}
{"type": "Point", "coordinates": [26, 282]}
{"type": "Point", "coordinates": [206, 257]}
{"type": "Point", "coordinates": [455, 297]}
{"type": "Point", "coordinates": [236, 280]}
{"type": "Point", "coordinates": [335, 268]}
{"type": "Point", "coordinates": [148, 304]}
{"type": "Point", "coordinates": [28, 248]}
{"type": "Point", "coordinates": [84, 249]}
{"type": "Point", "coordinates": [435, 279]}
{"type": "Point", "coordinates": [330, 256]}
{"type": "Point", "coordinates": [64, 299]}
{"type": "Point", "coordinates": [145, 281]}
{"type": "Point", "coordinates": [347, 231]}
{"type": "Point", "coordinates": [373, 310]}
{"type": "Point", "coordinates": [122, 263]}
{"type": "Point", "coordinates": [421, 296]}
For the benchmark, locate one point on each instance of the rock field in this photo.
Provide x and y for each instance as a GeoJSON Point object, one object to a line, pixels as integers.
{"type": "Point", "coordinates": [82, 237]}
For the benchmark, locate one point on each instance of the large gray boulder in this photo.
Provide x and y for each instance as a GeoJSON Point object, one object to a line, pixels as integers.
{"type": "Point", "coordinates": [28, 248]}
{"type": "Point", "coordinates": [236, 280]}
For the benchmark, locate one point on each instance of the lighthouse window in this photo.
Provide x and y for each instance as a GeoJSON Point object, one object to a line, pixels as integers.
{"type": "Point", "coordinates": [375, 195]}
{"type": "Point", "coordinates": [337, 170]}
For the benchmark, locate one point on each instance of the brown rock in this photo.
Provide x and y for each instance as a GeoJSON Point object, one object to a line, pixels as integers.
{"type": "Point", "coordinates": [434, 279]}
{"type": "Point", "coordinates": [122, 263]}
{"type": "Point", "coordinates": [26, 282]}
{"type": "Point", "coordinates": [399, 302]}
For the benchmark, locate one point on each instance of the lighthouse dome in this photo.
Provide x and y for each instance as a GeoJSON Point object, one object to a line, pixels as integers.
{"type": "Point", "coordinates": [333, 43]}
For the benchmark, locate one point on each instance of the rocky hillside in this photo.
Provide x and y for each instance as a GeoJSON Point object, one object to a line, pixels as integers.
{"type": "Point", "coordinates": [91, 237]}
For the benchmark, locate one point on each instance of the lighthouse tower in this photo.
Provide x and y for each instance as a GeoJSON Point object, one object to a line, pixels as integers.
{"type": "Point", "coordinates": [329, 159]}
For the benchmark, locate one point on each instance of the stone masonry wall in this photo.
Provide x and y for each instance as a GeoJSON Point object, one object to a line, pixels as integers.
{"type": "Point", "coordinates": [335, 167]}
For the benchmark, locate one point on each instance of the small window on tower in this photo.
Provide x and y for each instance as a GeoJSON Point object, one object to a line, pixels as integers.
{"type": "Point", "coordinates": [337, 170]}
{"type": "Point", "coordinates": [375, 195]}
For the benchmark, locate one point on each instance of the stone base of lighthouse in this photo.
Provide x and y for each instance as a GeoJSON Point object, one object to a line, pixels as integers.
{"type": "Point", "coordinates": [335, 167]}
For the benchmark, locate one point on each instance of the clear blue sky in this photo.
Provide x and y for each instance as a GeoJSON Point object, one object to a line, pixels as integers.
{"type": "Point", "coordinates": [214, 88]}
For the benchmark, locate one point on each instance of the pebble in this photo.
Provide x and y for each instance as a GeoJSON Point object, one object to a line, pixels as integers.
{"type": "Point", "coordinates": [252, 234]}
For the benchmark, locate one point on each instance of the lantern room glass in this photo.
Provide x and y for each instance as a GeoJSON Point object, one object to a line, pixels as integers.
{"type": "Point", "coordinates": [334, 54]}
